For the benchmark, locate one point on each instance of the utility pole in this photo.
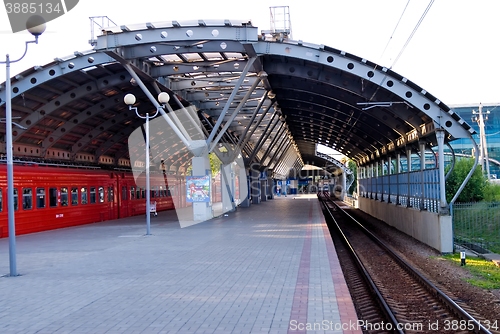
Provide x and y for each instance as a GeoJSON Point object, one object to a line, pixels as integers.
{"type": "Point", "coordinates": [483, 148]}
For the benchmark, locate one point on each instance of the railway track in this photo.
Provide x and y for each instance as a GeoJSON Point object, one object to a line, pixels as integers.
{"type": "Point", "coordinates": [390, 296]}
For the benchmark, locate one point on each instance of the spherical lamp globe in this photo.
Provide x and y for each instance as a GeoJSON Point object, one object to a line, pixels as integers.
{"type": "Point", "coordinates": [129, 99]}
{"type": "Point", "coordinates": [163, 98]}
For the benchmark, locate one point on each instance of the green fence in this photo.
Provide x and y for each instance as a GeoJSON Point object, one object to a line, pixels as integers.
{"type": "Point", "coordinates": [477, 226]}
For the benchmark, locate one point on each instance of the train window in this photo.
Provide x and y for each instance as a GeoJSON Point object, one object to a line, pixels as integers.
{"type": "Point", "coordinates": [132, 192]}
{"type": "Point", "coordinates": [64, 196]}
{"type": "Point", "coordinates": [138, 193]}
{"type": "Point", "coordinates": [124, 193]}
{"type": "Point", "coordinates": [40, 198]}
{"type": "Point", "coordinates": [74, 196]}
{"type": "Point", "coordinates": [1, 206]}
{"type": "Point", "coordinates": [27, 199]}
{"type": "Point", "coordinates": [143, 190]}
{"type": "Point", "coordinates": [111, 195]}
{"type": "Point", "coordinates": [16, 203]}
{"type": "Point", "coordinates": [92, 195]}
{"type": "Point", "coordinates": [101, 195]}
{"type": "Point", "coordinates": [153, 192]}
{"type": "Point", "coordinates": [52, 197]}
{"type": "Point", "coordinates": [84, 195]}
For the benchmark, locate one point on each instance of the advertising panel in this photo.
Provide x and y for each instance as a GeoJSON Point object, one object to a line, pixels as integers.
{"type": "Point", "coordinates": [198, 188]}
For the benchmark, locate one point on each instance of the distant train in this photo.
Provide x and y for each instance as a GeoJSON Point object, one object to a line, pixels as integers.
{"type": "Point", "coordinates": [51, 197]}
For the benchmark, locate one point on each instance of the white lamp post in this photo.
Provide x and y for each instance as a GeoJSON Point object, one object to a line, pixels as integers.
{"type": "Point", "coordinates": [130, 100]}
{"type": "Point", "coordinates": [36, 26]}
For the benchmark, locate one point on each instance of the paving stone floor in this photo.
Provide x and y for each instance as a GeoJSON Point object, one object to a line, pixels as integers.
{"type": "Point", "coordinates": [270, 268]}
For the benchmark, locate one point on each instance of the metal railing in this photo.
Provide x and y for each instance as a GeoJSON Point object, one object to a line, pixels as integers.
{"type": "Point", "coordinates": [417, 189]}
{"type": "Point", "coordinates": [477, 226]}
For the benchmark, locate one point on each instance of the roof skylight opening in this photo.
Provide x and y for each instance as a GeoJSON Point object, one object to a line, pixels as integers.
{"type": "Point", "coordinates": [88, 68]}
{"type": "Point", "coordinates": [329, 151]}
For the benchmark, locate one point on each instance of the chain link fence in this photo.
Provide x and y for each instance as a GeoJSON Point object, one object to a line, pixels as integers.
{"type": "Point", "coordinates": [477, 226]}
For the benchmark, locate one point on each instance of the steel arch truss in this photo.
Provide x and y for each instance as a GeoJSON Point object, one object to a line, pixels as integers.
{"type": "Point", "coordinates": [293, 95]}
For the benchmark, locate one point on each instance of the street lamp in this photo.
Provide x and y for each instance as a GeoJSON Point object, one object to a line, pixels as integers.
{"type": "Point", "coordinates": [36, 26]}
{"type": "Point", "coordinates": [130, 100]}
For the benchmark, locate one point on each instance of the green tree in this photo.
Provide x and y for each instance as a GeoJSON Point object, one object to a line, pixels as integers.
{"type": "Point", "coordinates": [215, 164]}
{"type": "Point", "coordinates": [492, 192]}
{"type": "Point", "coordinates": [352, 166]}
{"type": "Point", "coordinates": [474, 189]}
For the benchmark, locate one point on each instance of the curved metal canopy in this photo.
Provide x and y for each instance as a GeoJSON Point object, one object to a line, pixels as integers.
{"type": "Point", "coordinates": [278, 97]}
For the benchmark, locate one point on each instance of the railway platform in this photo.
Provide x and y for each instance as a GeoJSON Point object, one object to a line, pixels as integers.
{"type": "Point", "coordinates": [269, 268]}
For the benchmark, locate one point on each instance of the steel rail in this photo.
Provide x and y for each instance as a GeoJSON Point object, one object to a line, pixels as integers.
{"type": "Point", "coordinates": [447, 301]}
{"type": "Point", "coordinates": [386, 310]}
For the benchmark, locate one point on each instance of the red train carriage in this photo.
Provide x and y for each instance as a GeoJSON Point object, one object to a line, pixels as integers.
{"type": "Point", "coordinates": [53, 197]}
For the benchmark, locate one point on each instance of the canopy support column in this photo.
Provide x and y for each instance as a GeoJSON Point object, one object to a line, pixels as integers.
{"type": "Point", "coordinates": [263, 138]}
{"type": "Point", "coordinates": [409, 168]}
{"type": "Point", "coordinates": [233, 115]}
{"type": "Point", "coordinates": [273, 142]}
{"type": "Point", "coordinates": [146, 91]}
{"type": "Point", "coordinates": [442, 190]}
{"type": "Point", "coordinates": [453, 159]}
{"type": "Point", "coordinates": [398, 171]}
{"type": "Point", "coordinates": [421, 146]}
{"type": "Point", "coordinates": [255, 182]}
{"type": "Point", "coordinates": [389, 173]}
{"type": "Point", "coordinates": [230, 99]}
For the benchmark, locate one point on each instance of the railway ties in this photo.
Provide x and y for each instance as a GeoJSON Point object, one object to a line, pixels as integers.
{"type": "Point", "coordinates": [389, 295]}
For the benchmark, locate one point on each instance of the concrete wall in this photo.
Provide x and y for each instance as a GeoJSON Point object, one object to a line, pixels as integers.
{"type": "Point", "coordinates": [427, 227]}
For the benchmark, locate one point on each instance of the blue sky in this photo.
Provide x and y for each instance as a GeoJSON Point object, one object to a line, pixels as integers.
{"type": "Point", "coordinates": [453, 54]}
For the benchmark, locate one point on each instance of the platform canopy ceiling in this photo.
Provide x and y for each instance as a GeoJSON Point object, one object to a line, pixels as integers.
{"type": "Point", "coordinates": [279, 97]}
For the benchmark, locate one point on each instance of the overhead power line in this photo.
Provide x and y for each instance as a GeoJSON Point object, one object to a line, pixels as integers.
{"type": "Point", "coordinates": [413, 32]}
{"type": "Point", "coordinates": [394, 31]}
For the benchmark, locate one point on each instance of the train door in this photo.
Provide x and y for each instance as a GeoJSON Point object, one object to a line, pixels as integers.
{"type": "Point", "coordinates": [122, 196]}
{"type": "Point", "coordinates": [109, 193]}
{"type": "Point", "coordinates": [123, 200]}
{"type": "Point", "coordinates": [112, 201]}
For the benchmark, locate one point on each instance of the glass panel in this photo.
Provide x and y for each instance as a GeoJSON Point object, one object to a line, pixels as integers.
{"type": "Point", "coordinates": [64, 196]}
{"type": "Point", "coordinates": [124, 193]}
{"type": "Point", "coordinates": [132, 192]}
{"type": "Point", "coordinates": [52, 197]}
{"type": "Point", "coordinates": [16, 203]}
{"type": "Point", "coordinates": [27, 199]}
{"type": "Point", "coordinates": [40, 198]}
{"type": "Point", "coordinates": [83, 191]}
{"type": "Point", "coordinates": [92, 195]}
{"type": "Point", "coordinates": [101, 195]}
{"type": "Point", "coordinates": [74, 196]}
